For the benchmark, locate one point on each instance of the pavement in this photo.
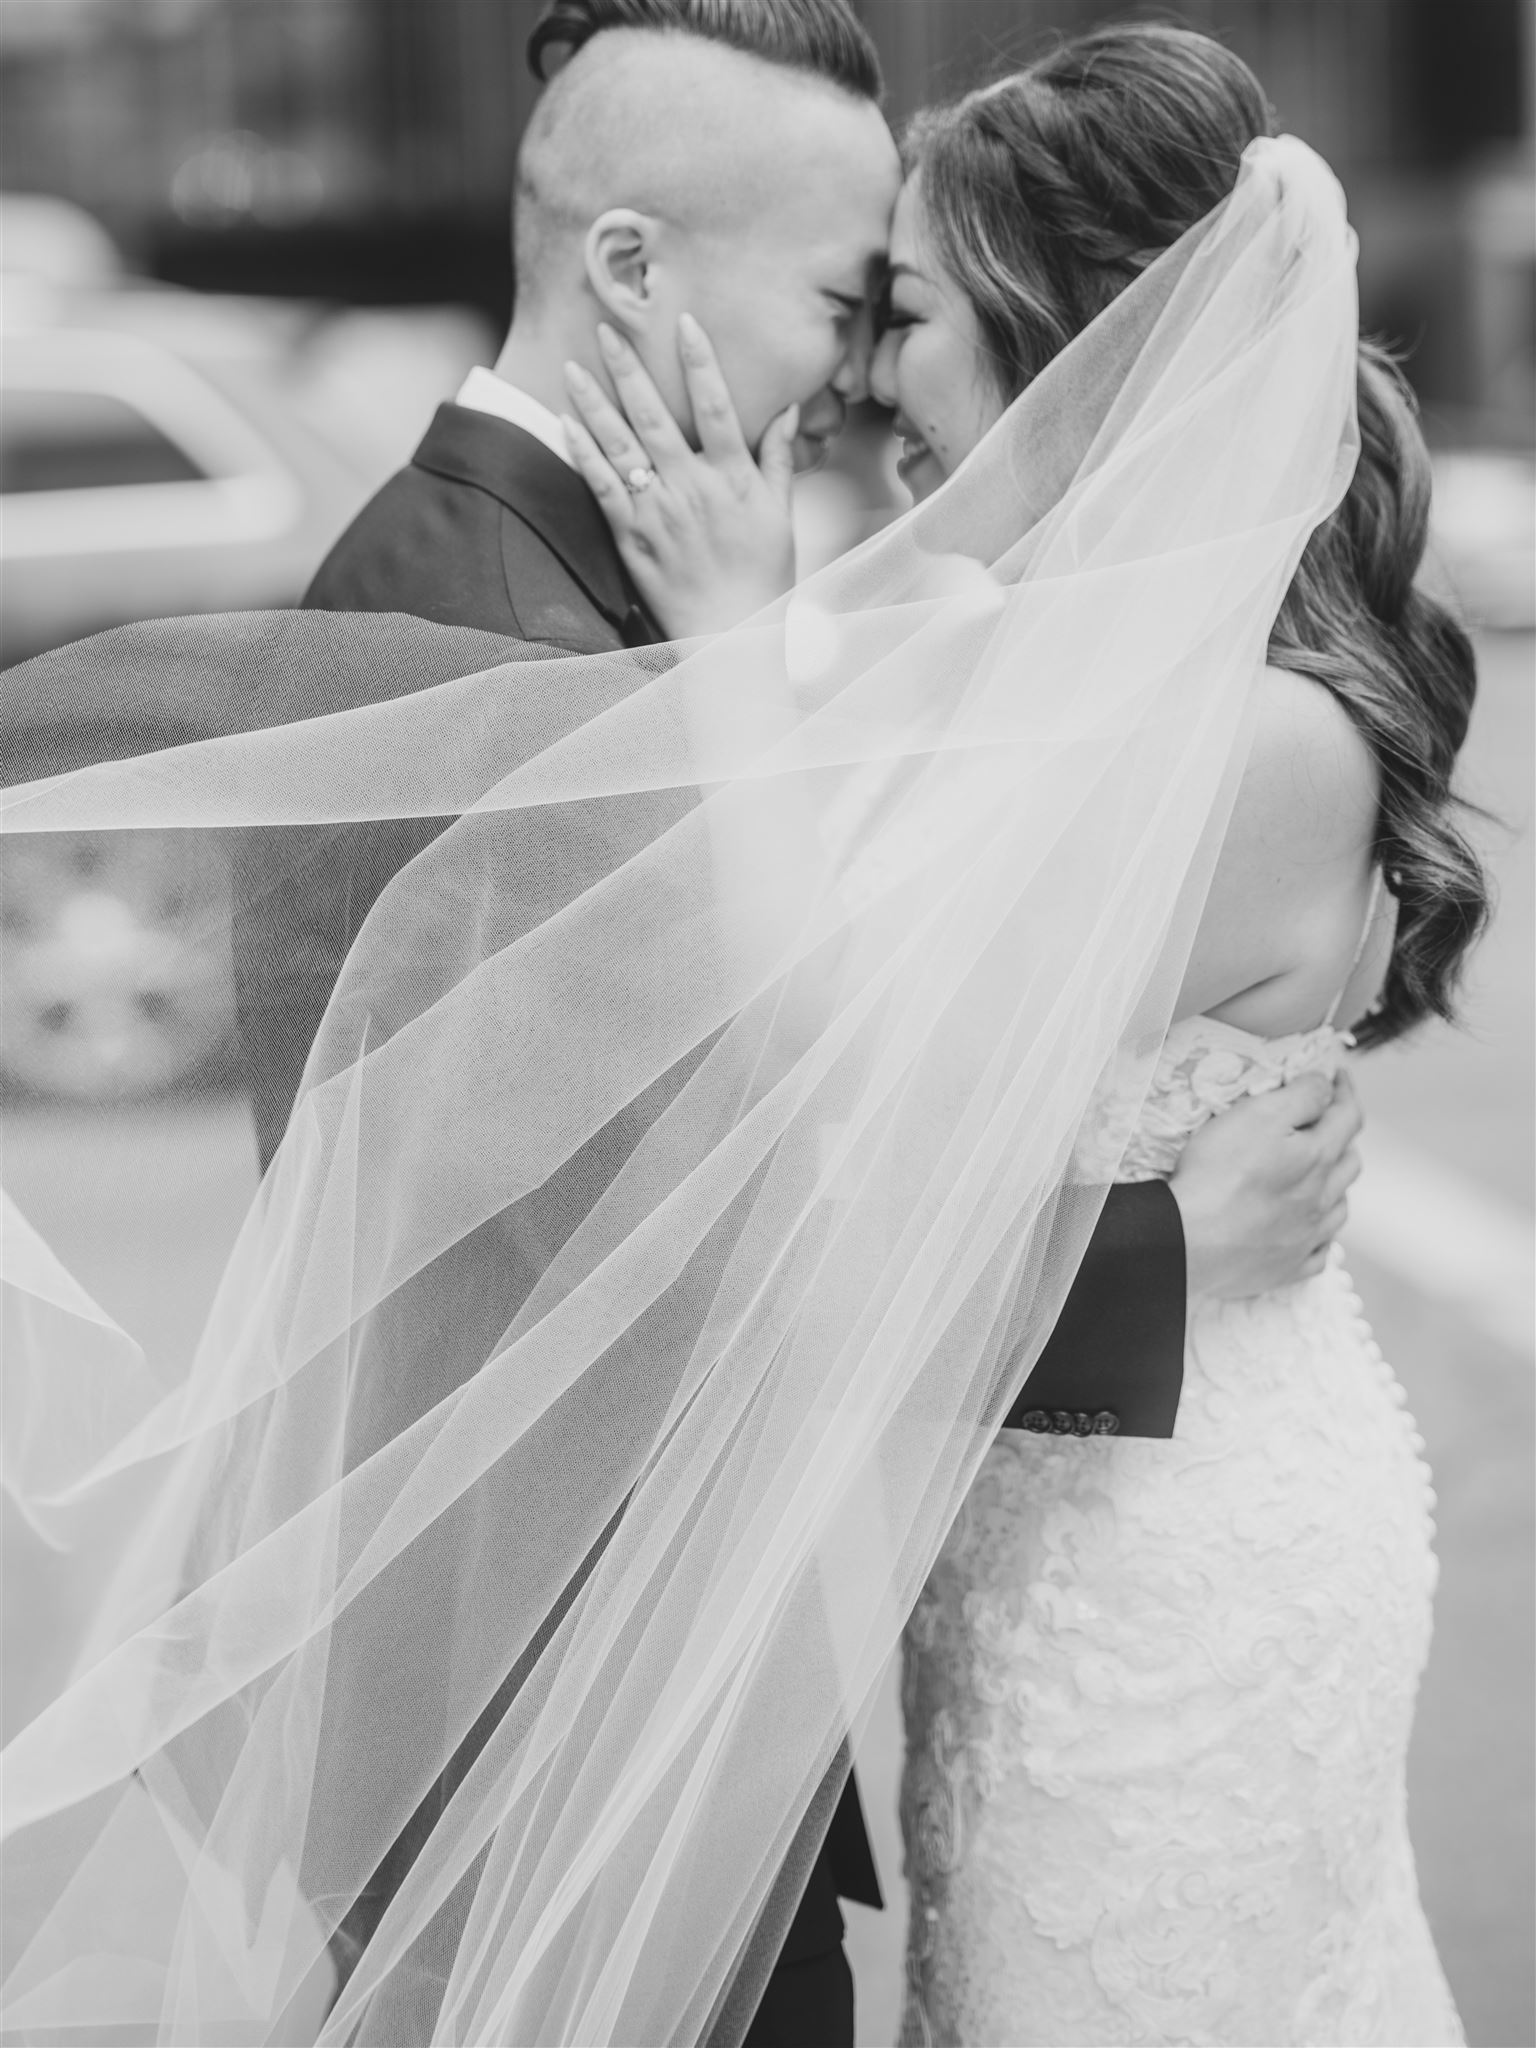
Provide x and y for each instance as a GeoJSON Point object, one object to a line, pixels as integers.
{"type": "Point", "coordinates": [1441, 1250]}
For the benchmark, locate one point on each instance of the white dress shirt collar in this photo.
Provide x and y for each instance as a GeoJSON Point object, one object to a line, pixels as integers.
{"type": "Point", "coordinates": [483, 391]}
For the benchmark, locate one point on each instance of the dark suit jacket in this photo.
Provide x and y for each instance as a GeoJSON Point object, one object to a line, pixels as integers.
{"type": "Point", "coordinates": [486, 528]}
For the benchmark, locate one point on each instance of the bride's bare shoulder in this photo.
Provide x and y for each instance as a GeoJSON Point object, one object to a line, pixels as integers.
{"type": "Point", "coordinates": [1286, 899]}
{"type": "Point", "coordinates": [1310, 787]}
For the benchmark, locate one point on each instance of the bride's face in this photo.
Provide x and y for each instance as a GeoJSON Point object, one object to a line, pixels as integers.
{"type": "Point", "coordinates": [931, 363]}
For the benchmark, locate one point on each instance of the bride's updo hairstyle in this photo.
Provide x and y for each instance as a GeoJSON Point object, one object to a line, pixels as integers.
{"type": "Point", "coordinates": [1045, 195]}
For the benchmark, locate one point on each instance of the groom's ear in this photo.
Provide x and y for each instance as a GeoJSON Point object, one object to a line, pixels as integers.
{"type": "Point", "coordinates": [620, 251]}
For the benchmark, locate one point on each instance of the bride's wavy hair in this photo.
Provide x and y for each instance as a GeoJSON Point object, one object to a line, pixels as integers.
{"type": "Point", "coordinates": [1045, 195]}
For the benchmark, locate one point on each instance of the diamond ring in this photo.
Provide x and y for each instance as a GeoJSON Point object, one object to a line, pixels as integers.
{"type": "Point", "coordinates": [639, 480]}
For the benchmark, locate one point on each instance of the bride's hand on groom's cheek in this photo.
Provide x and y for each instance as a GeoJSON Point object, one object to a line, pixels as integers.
{"type": "Point", "coordinates": [705, 535]}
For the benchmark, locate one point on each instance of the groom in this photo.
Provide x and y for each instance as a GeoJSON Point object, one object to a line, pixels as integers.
{"type": "Point", "coordinates": [738, 144]}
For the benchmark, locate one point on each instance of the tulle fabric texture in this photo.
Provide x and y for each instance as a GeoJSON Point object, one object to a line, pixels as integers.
{"type": "Point", "coordinates": [748, 1006]}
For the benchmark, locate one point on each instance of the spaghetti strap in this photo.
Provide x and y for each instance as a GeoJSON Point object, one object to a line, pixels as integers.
{"type": "Point", "coordinates": [1371, 908]}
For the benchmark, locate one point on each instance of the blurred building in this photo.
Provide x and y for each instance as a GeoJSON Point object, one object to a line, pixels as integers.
{"type": "Point", "coordinates": [361, 150]}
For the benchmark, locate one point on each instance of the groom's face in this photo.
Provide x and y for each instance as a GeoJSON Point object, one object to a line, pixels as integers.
{"type": "Point", "coordinates": [786, 294]}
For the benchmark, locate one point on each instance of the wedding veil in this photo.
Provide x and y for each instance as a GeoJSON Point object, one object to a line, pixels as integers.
{"type": "Point", "coordinates": [681, 1188]}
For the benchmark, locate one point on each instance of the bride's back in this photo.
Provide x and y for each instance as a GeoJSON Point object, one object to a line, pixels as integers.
{"type": "Point", "coordinates": [1284, 933]}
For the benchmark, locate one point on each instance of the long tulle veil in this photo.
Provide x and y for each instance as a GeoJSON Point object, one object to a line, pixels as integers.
{"type": "Point", "coordinates": [680, 1190]}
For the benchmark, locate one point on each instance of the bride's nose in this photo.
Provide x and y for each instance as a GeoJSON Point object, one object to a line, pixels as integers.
{"type": "Point", "coordinates": [882, 372]}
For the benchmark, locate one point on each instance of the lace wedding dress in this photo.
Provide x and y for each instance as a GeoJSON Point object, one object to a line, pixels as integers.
{"type": "Point", "coordinates": [1158, 1694]}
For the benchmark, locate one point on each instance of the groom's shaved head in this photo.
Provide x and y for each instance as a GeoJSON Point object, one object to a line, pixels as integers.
{"type": "Point", "coordinates": [695, 133]}
{"type": "Point", "coordinates": [668, 170]}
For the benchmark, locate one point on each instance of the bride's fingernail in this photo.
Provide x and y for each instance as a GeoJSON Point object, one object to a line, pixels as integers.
{"type": "Point", "coordinates": [607, 340]}
{"type": "Point", "coordinates": [577, 377]}
{"type": "Point", "coordinates": [691, 333]}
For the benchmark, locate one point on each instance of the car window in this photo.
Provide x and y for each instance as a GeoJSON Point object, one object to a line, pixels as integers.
{"type": "Point", "coordinates": [83, 441]}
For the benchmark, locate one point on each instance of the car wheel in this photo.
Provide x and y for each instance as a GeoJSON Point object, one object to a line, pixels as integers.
{"type": "Point", "coordinates": [116, 974]}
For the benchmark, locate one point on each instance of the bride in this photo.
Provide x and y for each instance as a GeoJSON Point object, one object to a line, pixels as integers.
{"type": "Point", "coordinates": [1158, 1696]}
{"type": "Point", "coordinates": [873, 938]}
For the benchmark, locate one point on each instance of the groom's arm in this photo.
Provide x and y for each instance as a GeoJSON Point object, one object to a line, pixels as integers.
{"type": "Point", "coordinates": [1258, 1197]}
{"type": "Point", "coordinates": [1114, 1364]}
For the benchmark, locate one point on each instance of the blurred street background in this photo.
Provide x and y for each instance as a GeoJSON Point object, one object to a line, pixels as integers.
{"type": "Point", "coordinates": [248, 245]}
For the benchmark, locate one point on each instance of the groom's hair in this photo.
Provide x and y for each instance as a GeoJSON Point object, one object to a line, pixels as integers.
{"type": "Point", "coordinates": [821, 36]}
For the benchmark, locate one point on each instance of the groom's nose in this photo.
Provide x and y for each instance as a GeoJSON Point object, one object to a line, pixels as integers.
{"type": "Point", "coordinates": [851, 381]}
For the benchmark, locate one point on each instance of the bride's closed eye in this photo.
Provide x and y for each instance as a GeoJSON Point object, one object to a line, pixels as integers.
{"type": "Point", "coordinates": [891, 318]}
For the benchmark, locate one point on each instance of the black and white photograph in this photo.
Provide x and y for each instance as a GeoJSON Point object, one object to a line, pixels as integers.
{"type": "Point", "coordinates": [768, 1023]}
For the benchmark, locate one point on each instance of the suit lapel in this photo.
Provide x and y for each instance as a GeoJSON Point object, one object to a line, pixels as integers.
{"type": "Point", "coordinates": [492, 455]}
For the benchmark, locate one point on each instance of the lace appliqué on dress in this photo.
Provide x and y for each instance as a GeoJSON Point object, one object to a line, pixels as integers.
{"type": "Point", "coordinates": [1158, 1695]}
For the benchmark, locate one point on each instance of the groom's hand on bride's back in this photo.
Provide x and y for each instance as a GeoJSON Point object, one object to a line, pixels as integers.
{"type": "Point", "coordinates": [1261, 1189]}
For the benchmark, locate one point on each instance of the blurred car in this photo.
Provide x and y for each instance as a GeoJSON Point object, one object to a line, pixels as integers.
{"type": "Point", "coordinates": [135, 484]}
{"type": "Point", "coordinates": [52, 241]}
{"type": "Point", "coordinates": [152, 463]}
